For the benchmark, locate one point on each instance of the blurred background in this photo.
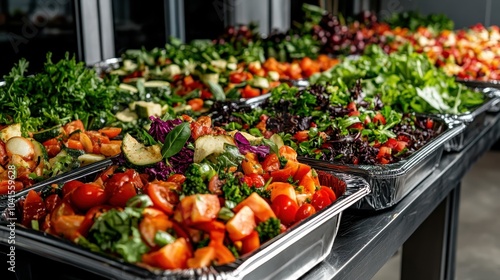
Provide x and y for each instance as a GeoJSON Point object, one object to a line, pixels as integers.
{"type": "Point", "coordinates": [95, 30]}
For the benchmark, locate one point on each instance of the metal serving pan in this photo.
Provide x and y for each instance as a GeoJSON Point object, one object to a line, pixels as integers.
{"type": "Point", "coordinates": [480, 84]}
{"type": "Point", "coordinates": [289, 255]}
{"type": "Point", "coordinates": [474, 120]}
{"type": "Point", "coordinates": [392, 182]}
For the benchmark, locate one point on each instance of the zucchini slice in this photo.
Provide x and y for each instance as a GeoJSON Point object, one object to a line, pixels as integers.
{"type": "Point", "coordinates": [87, 159]}
{"type": "Point", "coordinates": [49, 133]}
{"type": "Point", "coordinates": [138, 154]}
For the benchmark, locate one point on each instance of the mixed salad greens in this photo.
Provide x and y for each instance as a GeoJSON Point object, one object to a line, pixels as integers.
{"type": "Point", "coordinates": [60, 93]}
{"type": "Point", "coordinates": [405, 80]}
{"type": "Point", "coordinates": [333, 124]}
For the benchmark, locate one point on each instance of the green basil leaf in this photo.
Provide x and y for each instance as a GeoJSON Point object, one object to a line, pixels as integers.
{"type": "Point", "coordinates": [175, 140]}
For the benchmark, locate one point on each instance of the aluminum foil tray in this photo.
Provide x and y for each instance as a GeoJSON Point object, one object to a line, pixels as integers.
{"type": "Point", "coordinates": [474, 121]}
{"type": "Point", "coordinates": [289, 255]}
{"type": "Point", "coordinates": [392, 182]}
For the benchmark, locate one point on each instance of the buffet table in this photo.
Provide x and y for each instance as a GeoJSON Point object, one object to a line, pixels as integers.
{"type": "Point", "coordinates": [424, 223]}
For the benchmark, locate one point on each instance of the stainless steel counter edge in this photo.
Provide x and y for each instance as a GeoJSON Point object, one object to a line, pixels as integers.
{"type": "Point", "coordinates": [365, 243]}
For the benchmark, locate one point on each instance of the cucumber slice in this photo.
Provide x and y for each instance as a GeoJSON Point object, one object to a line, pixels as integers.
{"type": "Point", "coordinates": [156, 84]}
{"type": "Point", "coordinates": [129, 88]}
{"type": "Point", "coordinates": [74, 153]}
{"type": "Point", "coordinates": [40, 151]}
{"type": "Point", "coordinates": [138, 154]}
{"type": "Point", "coordinates": [49, 133]}
{"type": "Point", "coordinates": [87, 159]}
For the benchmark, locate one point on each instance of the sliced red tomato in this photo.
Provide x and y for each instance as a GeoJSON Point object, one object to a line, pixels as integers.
{"type": "Point", "coordinates": [259, 206]}
{"type": "Point", "coordinates": [379, 118]}
{"type": "Point", "coordinates": [352, 107]}
{"type": "Point", "coordinates": [285, 209]}
{"type": "Point", "coordinates": [33, 208]}
{"type": "Point", "coordinates": [254, 180]}
{"type": "Point", "coordinates": [391, 143]}
{"type": "Point", "coordinates": [302, 170]}
{"type": "Point", "coordinates": [384, 152]}
{"type": "Point", "coordinates": [74, 126]}
{"type": "Point", "coordinates": [286, 173]}
{"type": "Point", "coordinates": [87, 196]}
{"type": "Point", "coordinates": [304, 211]}
{"type": "Point", "coordinates": [111, 132]}
{"type": "Point", "coordinates": [250, 243]}
{"type": "Point", "coordinates": [301, 136]}
{"type": "Point", "coordinates": [242, 224]}
{"type": "Point", "coordinates": [249, 92]}
{"type": "Point", "coordinates": [164, 195]}
{"type": "Point", "coordinates": [237, 77]}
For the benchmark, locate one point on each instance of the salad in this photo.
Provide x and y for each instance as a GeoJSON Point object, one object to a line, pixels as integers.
{"type": "Point", "coordinates": [190, 196]}
{"type": "Point", "coordinates": [52, 151]}
{"type": "Point", "coordinates": [332, 124]}
{"type": "Point", "coordinates": [405, 80]}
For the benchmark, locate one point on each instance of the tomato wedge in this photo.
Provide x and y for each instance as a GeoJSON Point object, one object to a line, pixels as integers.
{"type": "Point", "coordinates": [111, 132]}
{"type": "Point", "coordinates": [163, 195]}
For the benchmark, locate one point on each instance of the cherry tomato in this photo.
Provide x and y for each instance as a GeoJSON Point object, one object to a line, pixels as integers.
{"type": "Point", "coordinates": [379, 118]}
{"type": "Point", "coordinates": [70, 186]}
{"type": "Point", "coordinates": [285, 209]}
{"type": "Point", "coordinates": [87, 196]}
{"type": "Point", "coordinates": [119, 179]}
{"type": "Point", "coordinates": [320, 200]}
{"type": "Point", "coordinates": [304, 211]}
{"type": "Point", "coordinates": [429, 124]}
{"type": "Point", "coordinates": [122, 194]}
{"type": "Point", "coordinates": [254, 180]}
{"type": "Point", "coordinates": [164, 195]}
